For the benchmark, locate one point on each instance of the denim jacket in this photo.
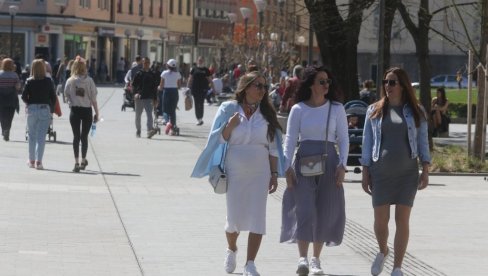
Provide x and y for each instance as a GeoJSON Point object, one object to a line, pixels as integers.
{"type": "Point", "coordinates": [417, 137]}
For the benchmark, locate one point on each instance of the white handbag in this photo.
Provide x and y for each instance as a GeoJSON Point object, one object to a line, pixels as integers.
{"type": "Point", "coordinates": [217, 176]}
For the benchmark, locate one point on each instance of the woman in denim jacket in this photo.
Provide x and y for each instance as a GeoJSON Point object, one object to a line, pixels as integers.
{"type": "Point", "coordinates": [394, 139]}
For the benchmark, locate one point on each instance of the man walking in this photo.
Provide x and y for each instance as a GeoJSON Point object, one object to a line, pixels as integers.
{"type": "Point", "coordinates": [199, 83]}
{"type": "Point", "coordinates": [144, 86]}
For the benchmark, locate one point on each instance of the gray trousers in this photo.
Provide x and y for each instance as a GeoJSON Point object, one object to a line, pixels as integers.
{"type": "Point", "coordinates": [147, 105]}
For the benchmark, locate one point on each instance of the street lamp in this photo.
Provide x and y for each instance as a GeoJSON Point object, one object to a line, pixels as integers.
{"type": "Point", "coordinates": [260, 6]}
{"type": "Point", "coordinates": [281, 4]}
{"type": "Point", "coordinates": [301, 41]}
{"type": "Point", "coordinates": [232, 19]}
{"type": "Point", "coordinates": [140, 34]}
{"type": "Point", "coordinates": [127, 33]}
{"type": "Point", "coordinates": [246, 13]}
{"type": "Point", "coordinates": [13, 11]}
{"type": "Point", "coordinates": [162, 35]}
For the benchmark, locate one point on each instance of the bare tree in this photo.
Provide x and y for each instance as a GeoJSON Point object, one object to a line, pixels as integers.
{"type": "Point", "coordinates": [337, 32]}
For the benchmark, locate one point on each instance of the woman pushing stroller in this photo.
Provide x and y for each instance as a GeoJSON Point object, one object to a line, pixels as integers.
{"type": "Point", "coordinates": [170, 83]}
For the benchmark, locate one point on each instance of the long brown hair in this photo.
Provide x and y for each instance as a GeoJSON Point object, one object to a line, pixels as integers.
{"type": "Point", "coordinates": [408, 96]}
{"type": "Point", "coordinates": [265, 106]}
{"type": "Point", "coordinates": [305, 91]}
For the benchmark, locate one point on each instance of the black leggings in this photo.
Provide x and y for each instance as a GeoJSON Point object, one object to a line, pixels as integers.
{"type": "Point", "coordinates": [6, 117]}
{"type": "Point", "coordinates": [199, 97]}
{"type": "Point", "coordinates": [80, 116]}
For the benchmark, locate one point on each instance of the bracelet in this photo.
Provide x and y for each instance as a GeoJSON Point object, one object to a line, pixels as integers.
{"type": "Point", "coordinates": [274, 174]}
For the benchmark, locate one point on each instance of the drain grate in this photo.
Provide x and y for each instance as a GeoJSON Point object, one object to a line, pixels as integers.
{"type": "Point", "coordinates": [363, 241]}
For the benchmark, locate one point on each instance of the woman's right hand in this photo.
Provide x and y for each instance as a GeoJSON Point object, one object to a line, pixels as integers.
{"type": "Point", "coordinates": [291, 178]}
{"type": "Point", "coordinates": [366, 180]}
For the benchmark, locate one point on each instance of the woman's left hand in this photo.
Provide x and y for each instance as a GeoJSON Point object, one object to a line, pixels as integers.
{"type": "Point", "coordinates": [339, 174]}
{"type": "Point", "coordinates": [273, 184]}
{"type": "Point", "coordinates": [423, 180]}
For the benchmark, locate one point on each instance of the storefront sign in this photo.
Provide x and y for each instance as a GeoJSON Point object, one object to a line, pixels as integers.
{"type": "Point", "coordinates": [106, 31]}
{"type": "Point", "coordinates": [51, 29]}
{"type": "Point", "coordinates": [42, 40]}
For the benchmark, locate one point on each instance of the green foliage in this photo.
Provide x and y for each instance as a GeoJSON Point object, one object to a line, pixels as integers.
{"type": "Point", "coordinates": [454, 159]}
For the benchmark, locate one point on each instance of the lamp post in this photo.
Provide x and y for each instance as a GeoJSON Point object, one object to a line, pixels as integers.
{"type": "Point", "coordinates": [162, 35]}
{"type": "Point", "coordinates": [232, 19]}
{"type": "Point", "coordinates": [13, 11]}
{"type": "Point", "coordinates": [301, 41]}
{"type": "Point", "coordinates": [127, 33]}
{"type": "Point", "coordinates": [246, 13]}
{"type": "Point", "coordinates": [140, 34]}
{"type": "Point", "coordinates": [260, 6]}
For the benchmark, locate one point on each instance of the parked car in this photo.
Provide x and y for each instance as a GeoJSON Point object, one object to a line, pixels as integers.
{"type": "Point", "coordinates": [448, 81]}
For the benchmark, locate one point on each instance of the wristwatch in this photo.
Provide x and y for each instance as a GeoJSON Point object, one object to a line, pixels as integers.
{"type": "Point", "coordinates": [274, 174]}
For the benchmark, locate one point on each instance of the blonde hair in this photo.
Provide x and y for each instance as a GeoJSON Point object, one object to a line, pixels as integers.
{"type": "Point", "coordinates": [78, 68]}
{"type": "Point", "coordinates": [8, 65]}
{"type": "Point", "coordinates": [38, 69]}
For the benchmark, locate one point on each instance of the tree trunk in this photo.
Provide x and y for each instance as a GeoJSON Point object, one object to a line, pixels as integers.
{"type": "Point", "coordinates": [479, 127]}
{"type": "Point", "coordinates": [338, 39]}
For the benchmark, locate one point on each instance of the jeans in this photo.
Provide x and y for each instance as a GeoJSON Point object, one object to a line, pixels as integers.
{"type": "Point", "coordinates": [161, 111]}
{"type": "Point", "coordinates": [38, 119]}
{"type": "Point", "coordinates": [147, 105]}
{"type": "Point", "coordinates": [80, 117]}
{"type": "Point", "coordinates": [170, 102]}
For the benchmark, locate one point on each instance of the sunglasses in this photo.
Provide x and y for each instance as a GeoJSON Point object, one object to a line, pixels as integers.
{"type": "Point", "coordinates": [328, 81]}
{"type": "Point", "coordinates": [390, 82]}
{"type": "Point", "coordinates": [261, 86]}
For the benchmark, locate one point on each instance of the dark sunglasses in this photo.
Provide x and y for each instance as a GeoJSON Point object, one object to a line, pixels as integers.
{"type": "Point", "coordinates": [390, 82]}
{"type": "Point", "coordinates": [328, 81]}
{"type": "Point", "coordinates": [261, 86]}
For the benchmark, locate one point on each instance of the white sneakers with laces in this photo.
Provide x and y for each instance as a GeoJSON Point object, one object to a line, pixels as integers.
{"type": "Point", "coordinates": [250, 269]}
{"type": "Point", "coordinates": [315, 268]}
{"type": "Point", "coordinates": [302, 266]}
{"type": "Point", "coordinates": [230, 261]}
{"type": "Point", "coordinates": [378, 263]}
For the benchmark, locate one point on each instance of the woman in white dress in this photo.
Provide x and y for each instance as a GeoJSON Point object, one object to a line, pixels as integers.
{"type": "Point", "coordinates": [254, 159]}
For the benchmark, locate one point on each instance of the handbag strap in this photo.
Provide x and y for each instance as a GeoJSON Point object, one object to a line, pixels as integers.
{"type": "Point", "coordinates": [327, 128]}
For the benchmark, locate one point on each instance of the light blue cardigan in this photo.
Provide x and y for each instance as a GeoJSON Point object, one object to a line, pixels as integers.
{"type": "Point", "coordinates": [212, 153]}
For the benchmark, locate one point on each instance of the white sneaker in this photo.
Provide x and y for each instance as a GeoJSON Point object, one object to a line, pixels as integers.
{"type": "Point", "coordinates": [302, 266]}
{"type": "Point", "coordinates": [250, 269]}
{"type": "Point", "coordinates": [378, 263]}
{"type": "Point", "coordinates": [315, 268]}
{"type": "Point", "coordinates": [230, 261]}
{"type": "Point", "coordinates": [397, 272]}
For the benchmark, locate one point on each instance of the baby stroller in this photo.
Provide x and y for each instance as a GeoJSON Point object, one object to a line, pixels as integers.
{"type": "Point", "coordinates": [356, 115]}
{"type": "Point", "coordinates": [128, 98]}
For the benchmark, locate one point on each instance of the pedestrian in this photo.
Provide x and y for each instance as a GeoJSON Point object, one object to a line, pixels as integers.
{"type": "Point", "coordinates": [288, 99]}
{"type": "Point", "coordinates": [81, 95]}
{"type": "Point", "coordinates": [120, 70]}
{"type": "Point", "coordinates": [144, 87]}
{"type": "Point", "coordinates": [439, 112]}
{"type": "Point", "coordinates": [199, 83]}
{"type": "Point", "coordinates": [313, 206]}
{"type": "Point", "coordinates": [9, 99]}
{"type": "Point", "coordinates": [169, 84]}
{"type": "Point", "coordinates": [394, 139]}
{"type": "Point", "coordinates": [103, 71]}
{"type": "Point", "coordinates": [366, 94]}
{"type": "Point", "coordinates": [459, 79]}
{"type": "Point", "coordinates": [249, 128]}
{"type": "Point", "coordinates": [40, 98]}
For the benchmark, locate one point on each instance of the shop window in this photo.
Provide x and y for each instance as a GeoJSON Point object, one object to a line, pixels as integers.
{"type": "Point", "coordinates": [85, 3]}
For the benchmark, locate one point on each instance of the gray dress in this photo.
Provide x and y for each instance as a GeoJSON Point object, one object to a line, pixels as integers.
{"type": "Point", "coordinates": [395, 175]}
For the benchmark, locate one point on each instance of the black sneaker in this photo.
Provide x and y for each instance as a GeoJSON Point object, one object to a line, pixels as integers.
{"type": "Point", "coordinates": [76, 169]}
{"type": "Point", "coordinates": [200, 122]}
{"type": "Point", "coordinates": [83, 164]}
{"type": "Point", "coordinates": [151, 133]}
{"type": "Point", "coordinates": [138, 134]}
